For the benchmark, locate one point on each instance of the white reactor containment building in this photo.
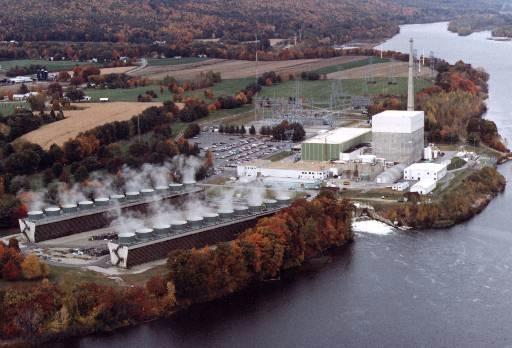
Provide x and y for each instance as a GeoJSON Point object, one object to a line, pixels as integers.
{"type": "Point", "coordinates": [397, 136]}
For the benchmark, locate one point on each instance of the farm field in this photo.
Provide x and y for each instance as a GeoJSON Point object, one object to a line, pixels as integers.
{"type": "Point", "coordinates": [76, 121]}
{"type": "Point", "coordinates": [321, 89]}
{"type": "Point", "coordinates": [52, 66]}
{"type": "Point", "coordinates": [234, 69]}
{"type": "Point", "coordinates": [353, 64]}
{"type": "Point", "coordinates": [224, 88]}
{"type": "Point", "coordinates": [126, 94]}
{"type": "Point", "coordinates": [396, 69]}
{"type": "Point", "coordinates": [173, 61]}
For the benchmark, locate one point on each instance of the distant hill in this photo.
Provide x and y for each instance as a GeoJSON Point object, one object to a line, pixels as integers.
{"type": "Point", "coordinates": [181, 21]}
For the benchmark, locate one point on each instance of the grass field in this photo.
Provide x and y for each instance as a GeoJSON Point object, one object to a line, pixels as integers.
{"type": "Point", "coordinates": [351, 65]}
{"type": "Point", "coordinates": [224, 88]}
{"type": "Point", "coordinates": [127, 94]}
{"type": "Point", "coordinates": [321, 89]}
{"type": "Point", "coordinates": [172, 61]}
{"type": "Point", "coordinates": [51, 66]}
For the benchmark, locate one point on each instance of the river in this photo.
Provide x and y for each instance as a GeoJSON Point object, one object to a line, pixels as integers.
{"type": "Point", "coordinates": [450, 288]}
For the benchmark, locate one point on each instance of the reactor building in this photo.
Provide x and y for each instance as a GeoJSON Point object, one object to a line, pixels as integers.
{"type": "Point", "coordinates": [398, 136]}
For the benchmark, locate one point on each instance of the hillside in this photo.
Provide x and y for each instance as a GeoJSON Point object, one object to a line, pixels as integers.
{"type": "Point", "coordinates": [181, 21]}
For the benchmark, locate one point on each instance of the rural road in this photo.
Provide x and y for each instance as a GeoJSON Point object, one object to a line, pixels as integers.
{"type": "Point", "coordinates": [143, 65]}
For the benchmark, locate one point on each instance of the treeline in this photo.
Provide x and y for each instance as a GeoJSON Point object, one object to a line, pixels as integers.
{"type": "Point", "coordinates": [23, 70]}
{"type": "Point", "coordinates": [464, 201]}
{"type": "Point", "coordinates": [285, 131]}
{"type": "Point", "coordinates": [466, 25]}
{"type": "Point", "coordinates": [277, 243]}
{"type": "Point", "coordinates": [24, 121]}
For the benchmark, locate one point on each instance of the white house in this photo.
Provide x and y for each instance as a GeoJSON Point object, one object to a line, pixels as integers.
{"type": "Point", "coordinates": [424, 171]}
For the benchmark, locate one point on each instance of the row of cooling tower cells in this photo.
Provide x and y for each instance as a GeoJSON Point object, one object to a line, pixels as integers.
{"type": "Point", "coordinates": [178, 226]}
{"type": "Point", "coordinates": [103, 202]}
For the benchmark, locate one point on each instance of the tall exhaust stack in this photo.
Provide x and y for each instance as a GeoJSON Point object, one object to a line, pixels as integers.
{"type": "Point", "coordinates": [410, 85]}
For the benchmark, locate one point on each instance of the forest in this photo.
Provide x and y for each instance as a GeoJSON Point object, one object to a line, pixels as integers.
{"type": "Point", "coordinates": [180, 22]}
{"type": "Point", "coordinates": [46, 310]}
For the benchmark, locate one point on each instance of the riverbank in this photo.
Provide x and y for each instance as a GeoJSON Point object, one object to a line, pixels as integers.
{"type": "Point", "coordinates": [456, 205]}
{"type": "Point", "coordinates": [301, 232]}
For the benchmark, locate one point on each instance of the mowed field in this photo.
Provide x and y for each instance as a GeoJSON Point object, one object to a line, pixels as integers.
{"type": "Point", "coordinates": [395, 69]}
{"type": "Point", "coordinates": [77, 121]}
{"type": "Point", "coordinates": [236, 69]}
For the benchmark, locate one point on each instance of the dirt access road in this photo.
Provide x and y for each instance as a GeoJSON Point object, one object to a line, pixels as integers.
{"type": "Point", "coordinates": [235, 69]}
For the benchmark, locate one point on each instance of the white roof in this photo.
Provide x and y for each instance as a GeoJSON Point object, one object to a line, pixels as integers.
{"type": "Point", "coordinates": [398, 121]}
{"type": "Point", "coordinates": [427, 184]}
{"type": "Point", "coordinates": [337, 136]}
{"type": "Point", "coordinates": [435, 167]}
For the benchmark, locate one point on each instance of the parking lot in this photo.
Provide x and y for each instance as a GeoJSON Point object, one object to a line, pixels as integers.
{"type": "Point", "coordinates": [231, 150]}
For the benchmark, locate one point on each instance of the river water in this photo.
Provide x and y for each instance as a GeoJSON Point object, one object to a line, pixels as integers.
{"type": "Point", "coordinates": [450, 288]}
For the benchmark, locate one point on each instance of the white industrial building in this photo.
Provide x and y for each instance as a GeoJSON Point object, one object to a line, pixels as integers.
{"type": "Point", "coordinates": [425, 171]}
{"type": "Point", "coordinates": [398, 136]}
{"type": "Point", "coordinates": [297, 170]}
{"type": "Point", "coordinates": [424, 187]}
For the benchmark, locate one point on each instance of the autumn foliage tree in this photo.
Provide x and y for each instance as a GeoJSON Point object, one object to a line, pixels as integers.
{"type": "Point", "coordinates": [276, 243]}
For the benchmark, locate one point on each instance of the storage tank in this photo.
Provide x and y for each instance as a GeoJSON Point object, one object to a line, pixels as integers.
{"type": "Point", "coordinates": [211, 217]}
{"type": "Point", "coordinates": [283, 200]}
{"type": "Point", "coordinates": [101, 201]}
{"type": "Point", "coordinates": [69, 208]}
{"type": "Point", "coordinates": [175, 187]}
{"type": "Point", "coordinates": [126, 237]}
{"type": "Point", "coordinates": [162, 190]}
{"type": "Point", "coordinates": [132, 195]}
{"type": "Point", "coordinates": [226, 213]}
{"type": "Point", "coordinates": [241, 210]}
{"type": "Point", "coordinates": [35, 215]}
{"type": "Point", "coordinates": [270, 203]}
{"type": "Point", "coordinates": [189, 184]}
{"type": "Point", "coordinates": [178, 225]}
{"type": "Point", "coordinates": [195, 221]}
{"type": "Point", "coordinates": [52, 211]}
{"type": "Point", "coordinates": [144, 233]}
{"type": "Point", "coordinates": [255, 208]}
{"type": "Point", "coordinates": [162, 229]}
{"type": "Point", "coordinates": [147, 192]}
{"type": "Point", "coordinates": [85, 205]}
{"type": "Point", "coordinates": [118, 198]}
